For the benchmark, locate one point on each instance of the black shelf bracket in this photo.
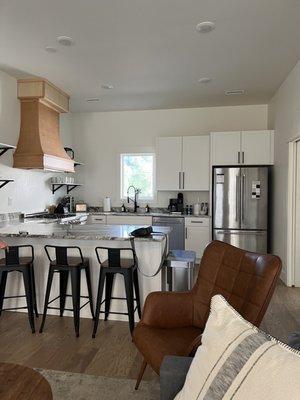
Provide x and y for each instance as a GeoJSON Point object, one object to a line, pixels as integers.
{"type": "Point", "coordinates": [55, 187]}
{"type": "Point", "coordinates": [4, 182]}
{"type": "Point", "coordinates": [69, 186]}
{"type": "Point", "coordinates": [5, 147]}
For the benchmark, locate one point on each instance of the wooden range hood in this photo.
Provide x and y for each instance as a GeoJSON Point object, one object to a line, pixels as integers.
{"type": "Point", "coordinates": [39, 145]}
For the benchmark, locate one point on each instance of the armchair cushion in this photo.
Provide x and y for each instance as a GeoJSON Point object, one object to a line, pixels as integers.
{"type": "Point", "coordinates": [168, 310]}
{"type": "Point", "coordinates": [155, 343]}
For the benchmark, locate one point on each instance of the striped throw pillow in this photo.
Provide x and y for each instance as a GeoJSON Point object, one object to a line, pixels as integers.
{"type": "Point", "coordinates": [237, 361]}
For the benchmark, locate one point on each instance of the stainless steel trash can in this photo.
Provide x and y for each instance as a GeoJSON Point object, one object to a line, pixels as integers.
{"type": "Point", "coordinates": [178, 271]}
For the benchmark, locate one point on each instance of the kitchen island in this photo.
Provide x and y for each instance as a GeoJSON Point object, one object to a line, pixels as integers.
{"type": "Point", "coordinates": [87, 236]}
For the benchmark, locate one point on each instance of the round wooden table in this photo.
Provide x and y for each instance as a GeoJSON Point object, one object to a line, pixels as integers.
{"type": "Point", "coordinates": [22, 383]}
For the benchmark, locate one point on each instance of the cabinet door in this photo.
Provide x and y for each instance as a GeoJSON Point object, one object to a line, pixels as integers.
{"type": "Point", "coordinates": [197, 235]}
{"type": "Point", "coordinates": [225, 148]}
{"type": "Point", "coordinates": [195, 163]}
{"type": "Point", "coordinates": [169, 163]}
{"type": "Point", "coordinates": [257, 147]}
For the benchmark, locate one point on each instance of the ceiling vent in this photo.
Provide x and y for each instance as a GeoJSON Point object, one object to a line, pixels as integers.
{"type": "Point", "coordinates": [39, 145]}
{"type": "Point", "coordinates": [234, 92]}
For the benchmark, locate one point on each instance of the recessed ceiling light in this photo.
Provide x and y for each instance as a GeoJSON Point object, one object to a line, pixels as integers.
{"type": "Point", "coordinates": [204, 80]}
{"type": "Point", "coordinates": [65, 40]}
{"type": "Point", "coordinates": [205, 27]}
{"type": "Point", "coordinates": [234, 92]}
{"type": "Point", "coordinates": [107, 86]}
{"type": "Point", "coordinates": [93, 99]}
{"type": "Point", "coordinates": [50, 49]}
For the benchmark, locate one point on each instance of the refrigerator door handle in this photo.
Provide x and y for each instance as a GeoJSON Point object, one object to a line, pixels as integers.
{"type": "Point", "coordinates": [241, 232]}
{"type": "Point", "coordinates": [237, 190]}
{"type": "Point", "coordinates": [242, 197]}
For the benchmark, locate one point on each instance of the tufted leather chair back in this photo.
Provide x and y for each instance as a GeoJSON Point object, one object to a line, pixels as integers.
{"type": "Point", "coordinates": [247, 280]}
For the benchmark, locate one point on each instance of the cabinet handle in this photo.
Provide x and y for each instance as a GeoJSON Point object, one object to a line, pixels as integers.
{"type": "Point", "coordinates": [179, 176]}
{"type": "Point", "coordinates": [186, 233]}
{"type": "Point", "coordinates": [239, 157]}
{"type": "Point", "coordinates": [243, 157]}
{"type": "Point", "coordinates": [196, 222]}
{"type": "Point", "coordinates": [183, 176]}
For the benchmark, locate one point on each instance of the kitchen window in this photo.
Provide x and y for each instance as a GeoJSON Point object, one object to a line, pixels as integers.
{"type": "Point", "coordinates": [138, 170]}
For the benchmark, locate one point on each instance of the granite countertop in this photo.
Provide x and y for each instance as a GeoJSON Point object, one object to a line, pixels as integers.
{"type": "Point", "coordinates": [144, 214]}
{"type": "Point", "coordinates": [53, 230]}
{"type": "Point", "coordinates": [155, 212]}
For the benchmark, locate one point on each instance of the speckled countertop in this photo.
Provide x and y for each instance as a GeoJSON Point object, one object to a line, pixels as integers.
{"type": "Point", "coordinates": [144, 214]}
{"type": "Point", "coordinates": [53, 230]}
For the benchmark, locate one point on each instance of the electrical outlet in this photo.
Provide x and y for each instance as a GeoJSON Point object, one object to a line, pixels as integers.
{"type": "Point", "coordinates": [9, 201]}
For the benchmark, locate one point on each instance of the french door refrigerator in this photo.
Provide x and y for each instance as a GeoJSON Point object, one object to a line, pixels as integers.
{"type": "Point", "coordinates": [240, 207]}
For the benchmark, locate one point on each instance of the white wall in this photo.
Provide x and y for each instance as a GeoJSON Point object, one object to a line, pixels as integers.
{"type": "Point", "coordinates": [100, 137]}
{"type": "Point", "coordinates": [284, 118]}
{"type": "Point", "coordinates": [31, 191]}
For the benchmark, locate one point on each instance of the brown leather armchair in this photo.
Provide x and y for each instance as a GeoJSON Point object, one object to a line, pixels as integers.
{"type": "Point", "coordinates": [172, 322]}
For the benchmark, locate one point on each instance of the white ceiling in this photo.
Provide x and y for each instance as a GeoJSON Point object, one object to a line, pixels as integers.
{"type": "Point", "coordinates": [150, 50]}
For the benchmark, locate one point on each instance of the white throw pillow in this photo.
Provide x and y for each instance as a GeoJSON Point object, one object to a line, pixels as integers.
{"type": "Point", "coordinates": [238, 361]}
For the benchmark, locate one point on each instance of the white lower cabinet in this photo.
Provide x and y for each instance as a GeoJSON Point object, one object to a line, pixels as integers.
{"type": "Point", "coordinates": [128, 220]}
{"type": "Point", "coordinates": [196, 234]}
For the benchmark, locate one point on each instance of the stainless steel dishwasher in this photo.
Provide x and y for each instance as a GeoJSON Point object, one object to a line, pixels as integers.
{"type": "Point", "coordinates": [176, 237]}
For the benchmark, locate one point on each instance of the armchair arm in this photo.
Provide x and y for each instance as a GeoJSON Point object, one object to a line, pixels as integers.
{"type": "Point", "coordinates": [168, 309]}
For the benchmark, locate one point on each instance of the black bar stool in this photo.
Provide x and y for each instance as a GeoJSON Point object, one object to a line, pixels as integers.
{"type": "Point", "coordinates": [24, 265]}
{"type": "Point", "coordinates": [113, 265]}
{"type": "Point", "coordinates": [65, 266]}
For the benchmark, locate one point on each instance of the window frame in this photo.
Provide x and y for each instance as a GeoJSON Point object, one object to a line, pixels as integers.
{"type": "Point", "coordinates": [138, 153]}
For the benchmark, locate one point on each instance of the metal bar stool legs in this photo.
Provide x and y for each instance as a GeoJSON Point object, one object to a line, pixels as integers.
{"type": "Point", "coordinates": [99, 301]}
{"type": "Point", "coordinates": [65, 266]}
{"type": "Point", "coordinates": [47, 297]}
{"type": "Point", "coordinates": [24, 265]}
{"type": "Point", "coordinates": [128, 280]}
{"type": "Point", "coordinates": [63, 283]}
{"type": "Point", "coordinates": [27, 278]}
{"type": "Point", "coordinates": [109, 268]}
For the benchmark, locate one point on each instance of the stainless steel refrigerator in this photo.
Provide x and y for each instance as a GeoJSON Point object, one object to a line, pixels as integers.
{"type": "Point", "coordinates": [240, 207]}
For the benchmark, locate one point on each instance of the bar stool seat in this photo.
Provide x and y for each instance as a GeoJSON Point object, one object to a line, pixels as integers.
{"type": "Point", "coordinates": [73, 262]}
{"type": "Point", "coordinates": [66, 265]}
{"type": "Point", "coordinates": [124, 263]}
{"type": "Point", "coordinates": [24, 265]}
{"type": "Point", "coordinates": [115, 264]}
{"type": "Point", "coordinates": [23, 261]}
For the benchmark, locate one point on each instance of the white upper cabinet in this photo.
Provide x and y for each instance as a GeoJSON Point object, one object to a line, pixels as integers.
{"type": "Point", "coordinates": [242, 148]}
{"type": "Point", "coordinates": [195, 163]}
{"type": "Point", "coordinates": [182, 163]}
{"type": "Point", "coordinates": [168, 163]}
{"type": "Point", "coordinates": [225, 148]}
{"type": "Point", "coordinates": [257, 147]}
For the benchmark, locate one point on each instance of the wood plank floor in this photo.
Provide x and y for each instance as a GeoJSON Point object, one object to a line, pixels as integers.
{"type": "Point", "coordinates": [112, 353]}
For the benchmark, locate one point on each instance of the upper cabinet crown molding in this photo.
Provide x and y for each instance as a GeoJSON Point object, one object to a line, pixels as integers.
{"type": "Point", "coordinates": [242, 148]}
{"type": "Point", "coordinates": [182, 163]}
{"type": "Point", "coordinates": [45, 92]}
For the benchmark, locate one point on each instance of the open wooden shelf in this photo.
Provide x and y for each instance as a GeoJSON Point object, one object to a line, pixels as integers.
{"type": "Point", "coordinates": [69, 186]}
{"type": "Point", "coordinates": [5, 147]}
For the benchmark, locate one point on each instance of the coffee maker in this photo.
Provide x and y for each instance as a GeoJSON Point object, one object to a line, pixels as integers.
{"type": "Point", "coordinates": [176, 205]}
